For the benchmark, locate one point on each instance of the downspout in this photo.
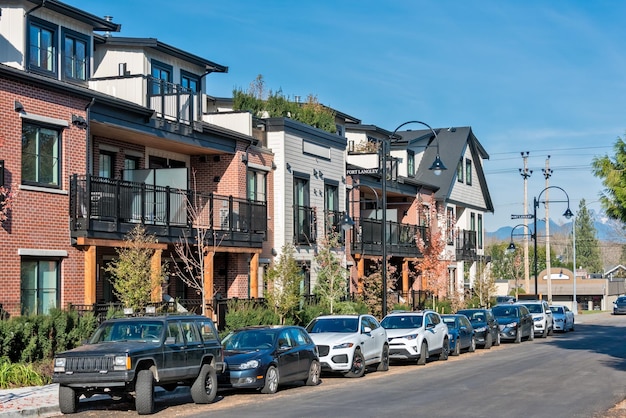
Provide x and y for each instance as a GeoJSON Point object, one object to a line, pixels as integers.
{"type": "Point", "coordinates": [89, 159]}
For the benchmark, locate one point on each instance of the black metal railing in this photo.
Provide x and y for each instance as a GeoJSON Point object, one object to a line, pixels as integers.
{"type": "Point", "coordinates": [400, 238]}
{"type": "Point", "coordinates": [333, 223]}
{"type": "Point", "coordinates": [465, 244]}
{"type": "Point", "coordinates": [305, 225]}
{"type": "Point", "coordinates": [106, 205]}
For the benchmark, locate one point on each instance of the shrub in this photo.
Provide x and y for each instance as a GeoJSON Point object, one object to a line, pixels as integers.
{"type": "Point", "coordinates": [18, 375]}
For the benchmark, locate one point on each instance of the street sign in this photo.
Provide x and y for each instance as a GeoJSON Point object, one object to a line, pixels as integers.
{"type": "Point", "coordinates": [529, 216]}
{"type": "Point", "coordinates": [362, 171]}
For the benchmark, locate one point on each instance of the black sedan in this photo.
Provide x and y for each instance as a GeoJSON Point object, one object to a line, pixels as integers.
{"type": "Point", "coordinates": [264, 357]}
{"type": "Point", "coordinates": [619, 306]}
{"type": "Point", "coordinates": [515, 322]}
{"type": "Point", "coordinates": [486, 328]}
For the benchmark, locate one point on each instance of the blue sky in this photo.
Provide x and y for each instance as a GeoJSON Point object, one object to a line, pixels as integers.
{"type": "Point", "coordinates": [537, 76]}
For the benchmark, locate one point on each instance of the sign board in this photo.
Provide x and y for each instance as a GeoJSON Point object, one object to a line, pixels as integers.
{"type": "Point", "coordinates": [362, 171]}
{"type": "Point", "coordinates": [522, 216]}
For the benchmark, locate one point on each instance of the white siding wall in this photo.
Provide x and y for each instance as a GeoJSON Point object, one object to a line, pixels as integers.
{"type": "Point", "coordinates": [239, 122]}
{"type": "Point", "coordinates": [473, 194]}
{"type": "Point", "coordinates": [12, 33]}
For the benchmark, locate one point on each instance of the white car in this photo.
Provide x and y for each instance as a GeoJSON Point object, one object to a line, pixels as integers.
{"type": "Point", "coordinates": [350, 343]}
{"type": "Point", "coordinates": [416, 336]}
{"type": "Point", "coordinates": [563, 318]}
{"type": "Point", "coordinates": [542, 317]}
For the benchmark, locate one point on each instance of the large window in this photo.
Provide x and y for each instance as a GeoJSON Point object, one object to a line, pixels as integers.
{"type": "Point", "coordinates": [459, 171]}
{"type": "Point", "coordinates": [304, 229]}
{"type": "Point", "coordinates": [162, 74]}
{"type": "Point", "coordinates": [479, 232]}
{"type": "Point", "coordinates": [468, 172]}
{"type": "Point", "coordinates": [39, 285]}
{"type": "Point", "coordinates": [331, 207]}
{"type": "Point", "coordinates": [42, 45]}
{"type": "Point", "coordinates": [190, 81]}
{"type": "Point", "coordinates": [75, 56]}
{"type": "Point", "coordinates": [41, 163]}
{"type": "Point", "coordinates": [106, 164]}
{"type": "Point", "coordinates": [257, 185]}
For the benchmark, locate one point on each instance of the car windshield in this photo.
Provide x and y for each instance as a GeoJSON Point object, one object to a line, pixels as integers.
{"type": "Point", "coordinates": [249, 340]}
{"type": "Point", "coordinates": [557, 309]}
{"type": "Point", "coordinates": [621, 300]}
{"type": "Point", "coordinates": [333, 325]}
{"type": "Point", "coordinates": [504, 311]}
{"type": "Point", "coordinates": [402, 321]}
{"type": "Point", "coordinates": [128, 331]}
{"type": "Point", "coordinates": [534, 308]}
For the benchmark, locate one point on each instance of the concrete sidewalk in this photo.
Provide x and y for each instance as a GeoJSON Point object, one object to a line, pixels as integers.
{"type": "Point", "coordinates": [41, 401]}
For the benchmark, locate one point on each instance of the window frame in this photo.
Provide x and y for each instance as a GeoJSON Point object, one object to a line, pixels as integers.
{"type": "Point", "coordinates": [111, 162]}
{"type": "Point", "coordinates": [479, 231]}
{"type": "Point", "coordinates": [468, 171]}
{"type": "Point", "coordinates": [459, 171]}
{"type": "Point", "coordinates": [54, 31]}
{"type": "Point", "coordinates": [75, 36]}
{"type": "Point", "coordinates": [254, 179]}
{"type": "Point", "coordinates": [410, 163]}
{"type": "Point", "coordinates": [56, 173]}
{"type": "Point", "coordinates": [157, 89]}
{"type": "Point", "coordinates": [39, 290]}
{"type": "Point", "coordinates": [188, 76]}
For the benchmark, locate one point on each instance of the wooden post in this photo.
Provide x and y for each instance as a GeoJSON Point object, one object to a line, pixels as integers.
{"type": "Point", "coordinates": [155, 267]}
{"type": "Point", "coordinates": [361, 275]}
{"type": "Point", "coordinates": [208, 284]}
{"type": "Point", "coordinates": [254, 276]}
{"type": "Point", "coordinates": [90, 274]}
{"type": "Point", "coordinates": [405, 279]}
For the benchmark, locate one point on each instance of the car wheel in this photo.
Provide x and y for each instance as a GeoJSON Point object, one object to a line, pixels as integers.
{"type": "Point", "coordinates": [358, 364]}
{"type": "Point", "coordinates": [383, 366]}
{"type": "Point", "coordinates": [518, 336]}
{"type": "Point", "coordinates": [488, 340]}
{"type": "Point", "coordinates": [445, 350]}
{"type": "Point", "coordinates": [421, 360]}
{"type": "Point", "coordinates": [545, 332]}
{"type": "Point", "coordinates": [204, 389]}
{"type": "Point", "coordinates": [68, 400]}
{"type": "Point", "coordinates": [497, 339]}
{"type": "Point", "coordinates": [457, 348]}
{"type": "Point", "coordinates": [472, 346]}
{"type": "Point", "coordinates": [271, 381]}
{"type": "Point", "coordinates": [314, 374]}
{"type": "Point", "coordinates": [551, 330]}
{"type": "Point", "coordinates": [531, 336]}
{"type": "Point", "coordinates": [144, 392]}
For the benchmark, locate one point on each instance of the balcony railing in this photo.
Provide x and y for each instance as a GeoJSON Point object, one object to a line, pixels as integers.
{"type": "Point", "coordinates": [103, 207]}
{"type": "Point", "coordinates": [400, 238]}
{"type": "Point", "coordinates": [465, 245]}
{"type": "Point", "coordinates": [170, 101]}
{"type": "Point", "coordinates": [305, 225]}
{"type": "Point", "coordinates": [333, 222]}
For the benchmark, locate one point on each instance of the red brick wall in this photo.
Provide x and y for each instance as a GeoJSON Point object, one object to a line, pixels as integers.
{"type": "Point", "coordinates": [40, 218]}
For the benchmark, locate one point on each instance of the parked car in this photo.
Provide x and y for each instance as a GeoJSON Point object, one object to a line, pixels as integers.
{"type": "Point", "coordinates": [486, 330]}
{"type": "Point", "coordinates": [460, 332]}
{"type": "Point", "coordinates": [515, 322]}
{"type": "Point", "coordinates": [349, 343]}
{"type": "Point", "coordinates": [416, 336]}
{"type": "Point", "coordinates": [130, 356]}
{"type": "Point", "coordinates": [265, 356]}
{"type": "Point", "coordinates": [542, 317]}
{"type": "Point", "coordinates": [563, 318]}
{"type": "Point", "coordinates": [619, 306]}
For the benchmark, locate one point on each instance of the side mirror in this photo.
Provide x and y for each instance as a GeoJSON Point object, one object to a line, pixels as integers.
{"type": "Point", "coordinates": [367, 330]}
{"type": "Point", "coordinates": [548, 311]}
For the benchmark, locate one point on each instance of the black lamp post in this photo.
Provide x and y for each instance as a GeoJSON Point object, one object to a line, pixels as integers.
{"type": "Point", "coordinates": [567, 214]}
{"type": "Point", "coordinates": [437, 167]}
{"type": "Point", "coordinates": [511, 247]}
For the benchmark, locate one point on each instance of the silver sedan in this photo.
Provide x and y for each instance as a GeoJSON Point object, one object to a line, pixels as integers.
{"type": "Point", "coordinates": [563, 318]}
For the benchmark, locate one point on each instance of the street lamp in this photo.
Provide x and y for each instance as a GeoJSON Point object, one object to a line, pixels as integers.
{"type": "Point", "coordinates": [567, 214]}
{"type": "Point", "coordinates": [437, 167]}
{"type": "Point", "coordinates": [511, 247]}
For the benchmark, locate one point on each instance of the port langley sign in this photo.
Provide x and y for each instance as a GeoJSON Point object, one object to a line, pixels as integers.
{"type": "Point", "coordinates": [362, 171]}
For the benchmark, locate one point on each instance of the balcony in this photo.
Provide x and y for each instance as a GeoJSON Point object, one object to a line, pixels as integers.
{"type": "Point", "coordinates": [108, 209]}
{"type": "Point", "coordinates": [170, 101]}
{"type": "Point", "coordinates": [400, 238]}
{"type": "Point", "coordinates": [305, 225]}
{"type": "Point", "coordinates": [465, 245]}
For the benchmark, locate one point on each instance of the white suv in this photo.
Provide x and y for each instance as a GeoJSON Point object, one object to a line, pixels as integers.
{"type": "Point", "coordinates": [416, 336]}
{"type": "Point", "coordinates": [542, 317]}
{"type": "Point", "coordinates": [350, 343]}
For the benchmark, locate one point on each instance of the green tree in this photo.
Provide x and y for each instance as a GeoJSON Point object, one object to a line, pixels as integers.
{"type": "Point", "coordinates": [587, 245]}
{"type": "Point", "coordinates": [131, 273]}
{"type": "Point", "coordinates": [612, 171]}
{"type": "Point", "coordinates": [283, 284]}
{"type": "Point", "coordinates": [331, 285]}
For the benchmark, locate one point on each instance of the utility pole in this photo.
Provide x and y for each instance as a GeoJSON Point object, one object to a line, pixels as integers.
{"type": "Point", "coordinates": [525, 173]}
{"type": "Point", "coordinates": [547, 173]}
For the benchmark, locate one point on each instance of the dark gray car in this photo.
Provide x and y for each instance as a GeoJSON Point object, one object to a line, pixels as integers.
{"type": "Point", "coordinates": [619, 306]}
{"type": "Point", "coordinates": [486, 330]}
{"type": "Point", "coordinates": [515, 322]}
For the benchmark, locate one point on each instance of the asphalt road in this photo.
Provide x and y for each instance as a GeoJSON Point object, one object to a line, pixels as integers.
{"type": "Point", "coordinates": [578, 374]}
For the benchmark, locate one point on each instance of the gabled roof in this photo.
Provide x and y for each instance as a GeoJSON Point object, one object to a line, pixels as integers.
{"type": "Point", "coordinates": [97, 23]}
{"type": "Point", "coordinates": [453, 143]}
{"type": "Point", "coordinates": [154, 43]}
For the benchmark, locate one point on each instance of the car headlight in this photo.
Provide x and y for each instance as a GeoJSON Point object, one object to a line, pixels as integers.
{"type": "Point", "coordinates": [250, 364]}
{"type": "Point", "coordinates": [59, 364]}
{"type": "Point", "coordinates": [511, 325]}
{"type": "Point", "coordinates": [344, 345]}
{"type": "Point", "coordinates": [411, 337]}
{"type": "Point", "coordinates": [121, 362]}
{"type": "Point", "coordinates": [539, 318]}
{"type": "Point", "coordinates": [481, 329]}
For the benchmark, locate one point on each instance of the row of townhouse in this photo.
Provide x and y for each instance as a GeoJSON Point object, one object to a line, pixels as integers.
{"type": "Point", "coordinates": [100, 133]}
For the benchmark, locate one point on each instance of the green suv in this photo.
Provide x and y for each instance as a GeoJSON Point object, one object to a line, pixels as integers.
{"type": "Point", "coordinates": [130, 356]}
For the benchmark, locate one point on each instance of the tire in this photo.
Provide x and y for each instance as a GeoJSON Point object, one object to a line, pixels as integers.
{"type": "Point", "coordinates": [445, 350]}
{"type": "Point", "coordinates": [531, 336]}
{"type": "Point", "coordinates": [383, 366]}
{"type": "Point", "coordinates": [497, 342]}
{"type": "Point", "coordinates": [204, 388]}
{"type": "Point", "coordinates": [358, 364]}
{"type": "Point", "coordinates": [421, 360]}
{"type": "Point", "coordinates": [488, 340]}
{"type": "Point", "coordinates": [472, 346]}
{"type": "Point", "coordinates": [457, 348]}
{"type": "Point", "coordinates": [518, 336]}
{"type": "Point", "coordinates": [68, 400]}
{"type": "Point", "coordinates": [271, 381]}
{"type": "Point", "coordinates": [144, 392]}
{"type": "Point", "coordinates": [572, 326]}
{"type": "Point", "coordinates": [314, 374]}
{"type": "Point", "coordinates": [551, 330]}
{"type": "Point", "coordinates": [545, 332]}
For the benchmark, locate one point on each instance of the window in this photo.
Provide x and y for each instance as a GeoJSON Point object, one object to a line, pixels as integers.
{"type": "Point", "coordinates": [190, 81]}
{"type": "Point", "coordinates": [479, 232]}
{"type": "Point", "coordinates": [130, 163]}
{"type": "Point", "coordinates": [411, 163]}
{"type": "Point", "coordinates": [468, 172]}
{"type": "Point", "coordinates": [459, 171]}
{"type": "Point", "coordinates": [40, 155]}
{"type": "Point", "coordinates": [105, 164]}
{"type": "Point", "coordinates": [162, 77]}
{"type": "Point", "coordinates": [472, 222]}
{"type": "Point", "coordinates": [331, 207]}
{"type": "Point", "coordinates": [75, 56]}
{"type": "Point", "coordinates": [304, 228]}
{"type": "Point", "coordinates": [39, 285]}
{"type": "Point", "coordinates": [450, 225]}
{"type": "Point", "coordinates": [42, 46]}
{"type": "Point", "coordinates": [257, 184]}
